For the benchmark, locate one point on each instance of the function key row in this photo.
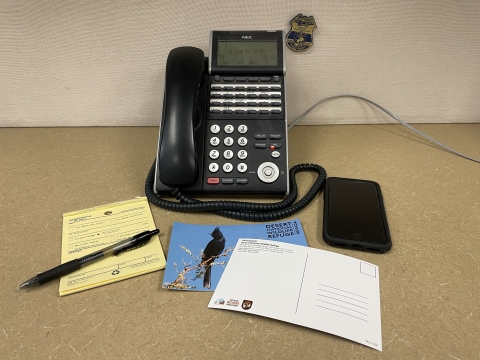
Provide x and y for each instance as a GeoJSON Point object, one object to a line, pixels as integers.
{"type": "Point", "coordinates": [219, 78]}
{"type": "Point", "coordinates": [246, 87]}
{"type": "Point", "coordinates": [245, 95]}
{"type": "Point", "coordinates": [244, 103]}
{"type": "Point", "coordinates": [215, 110]}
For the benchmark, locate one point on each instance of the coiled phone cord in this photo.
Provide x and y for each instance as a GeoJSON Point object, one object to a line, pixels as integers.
{"type": "Point", "coordinates": [241, 210]}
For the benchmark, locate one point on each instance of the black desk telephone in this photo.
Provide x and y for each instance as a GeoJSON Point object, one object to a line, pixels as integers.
{"type": "Point", "coordinates": [224, 126]}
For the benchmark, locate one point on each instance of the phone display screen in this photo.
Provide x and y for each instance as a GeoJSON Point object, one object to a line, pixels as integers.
{"type": "Point", "coordinates": [254, 52]}
{"type": "Point", "coordinates": [355, 211]}
{"type": "Point", "coordinates": [247, 53]}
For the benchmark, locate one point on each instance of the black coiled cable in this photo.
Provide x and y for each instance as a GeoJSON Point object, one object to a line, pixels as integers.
{"type": "Point", "coordinates": [241, 210]}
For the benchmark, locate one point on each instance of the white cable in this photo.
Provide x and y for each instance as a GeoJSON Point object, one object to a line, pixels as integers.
{"type": "Point", "coordinates": [388, 113]}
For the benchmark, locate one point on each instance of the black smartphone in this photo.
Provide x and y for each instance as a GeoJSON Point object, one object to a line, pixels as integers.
{"type": "Point", "coordinates": [354, 215]}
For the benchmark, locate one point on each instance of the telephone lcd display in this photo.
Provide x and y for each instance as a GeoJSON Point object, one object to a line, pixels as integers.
{"type": "Point", "coordinates": [247, 53]}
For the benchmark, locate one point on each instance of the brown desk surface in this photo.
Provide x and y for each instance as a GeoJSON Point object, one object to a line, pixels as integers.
{"type": "Point", "coordinates": [429, 281]}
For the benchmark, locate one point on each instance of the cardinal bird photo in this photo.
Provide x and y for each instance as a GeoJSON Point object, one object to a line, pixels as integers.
{"type": "Point", "coordinates": [213, 248]}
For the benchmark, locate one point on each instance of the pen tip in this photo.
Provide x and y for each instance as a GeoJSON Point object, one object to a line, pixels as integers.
{"type": "Point", "coordinates": [154, 232]}
{"type": "Point", "coordinates": [29, 283]}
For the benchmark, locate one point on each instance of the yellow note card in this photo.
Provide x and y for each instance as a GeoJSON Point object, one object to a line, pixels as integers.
{"type": "Point", "coordinates": [90, 230]}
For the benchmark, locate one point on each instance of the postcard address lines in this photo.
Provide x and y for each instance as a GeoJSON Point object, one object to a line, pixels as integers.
{"type": "Point", "coordinates": [338, 300]}
{"type": "Point", "coordinates": [341, 301]}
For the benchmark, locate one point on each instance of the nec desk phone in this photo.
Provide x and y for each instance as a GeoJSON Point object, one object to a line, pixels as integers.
{"type": "Point", "coordinates": [224, 126]}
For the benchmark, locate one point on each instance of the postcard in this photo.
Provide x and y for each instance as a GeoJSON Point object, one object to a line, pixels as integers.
{"type": "Point", "coordinates": [310, 287]}
{"type": "Point", "coordinates": [198, 254]}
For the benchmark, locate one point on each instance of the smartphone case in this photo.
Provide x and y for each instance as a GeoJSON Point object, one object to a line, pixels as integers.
{"type": "Point", "coordinates": [351, 243]}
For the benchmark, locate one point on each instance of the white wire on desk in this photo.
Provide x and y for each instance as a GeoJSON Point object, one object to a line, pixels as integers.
{"type": "Point", "coordinates": [388, 113]}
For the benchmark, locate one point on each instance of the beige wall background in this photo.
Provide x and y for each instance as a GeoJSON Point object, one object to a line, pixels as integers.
{"type": "Point", "coordinates": [101, 63]}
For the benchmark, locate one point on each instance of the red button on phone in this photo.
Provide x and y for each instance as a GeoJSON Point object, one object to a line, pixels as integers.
{"type": "Point", "coordinates": [213, 180]}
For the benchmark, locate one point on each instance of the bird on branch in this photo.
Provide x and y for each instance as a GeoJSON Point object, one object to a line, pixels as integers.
{"type": "Point", "coordinates": [213, 249]}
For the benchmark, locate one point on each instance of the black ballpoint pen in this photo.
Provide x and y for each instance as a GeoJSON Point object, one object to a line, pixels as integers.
{"type": "Point", "coordinates": [131, 243]}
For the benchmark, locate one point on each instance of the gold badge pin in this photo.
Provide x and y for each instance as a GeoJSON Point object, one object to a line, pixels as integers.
{"type": "Point", "coordinates": [300, 36]}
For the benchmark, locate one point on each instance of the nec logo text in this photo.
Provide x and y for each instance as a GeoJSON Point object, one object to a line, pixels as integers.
{"type": "Point", "coordinates": [247, 37]}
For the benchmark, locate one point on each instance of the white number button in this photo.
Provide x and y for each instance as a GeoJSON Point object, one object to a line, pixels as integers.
{"type": "Point", "coordinates": [214, 154]}
{"type": "Point", "coordinates": [242, 167]}
{"type": "Point", "coordinates": [242, 154]}
{"type": "Point", "coordinates": [242, 141]}
{"type": "Point", "coordinates": [213, 167]}
{"type": "Point", "coordinates": [242, 129]}
{"type": "Point", "coordinates": [215, 129]}
{"type": "Point", "coordinates": [228, 141]}
{"type": "Point", "coordinates": [229, 129]}
{"type": "Point", "coordinates": [228, 154]}
{"type": "Point", "coordinates": [227, 167]}
{"type": "Point", "coordinates": [214, 141]}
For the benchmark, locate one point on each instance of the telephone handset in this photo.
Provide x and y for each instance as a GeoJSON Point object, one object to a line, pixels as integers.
{"type": "Point", "coordinates": [177, 153]}
{"type": "Point", "coordinates": [224, 124]}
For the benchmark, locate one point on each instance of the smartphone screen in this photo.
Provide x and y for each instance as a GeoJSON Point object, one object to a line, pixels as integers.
{"type": "Point", "coordinates": [354, 215]}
